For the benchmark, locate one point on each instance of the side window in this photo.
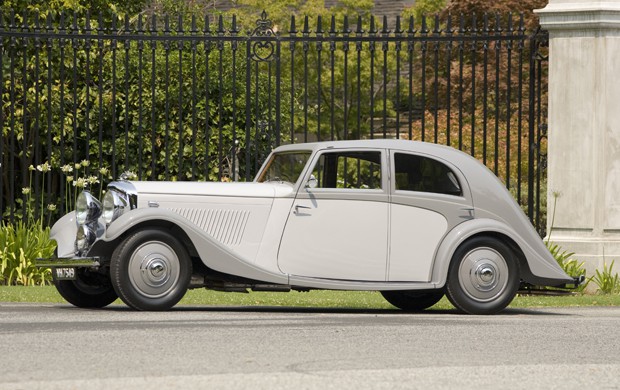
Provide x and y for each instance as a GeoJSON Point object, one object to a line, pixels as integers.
{"type": "Point", "coordinates": [417, 173]}
{"type": "Point", "coordinates": [355, 170]}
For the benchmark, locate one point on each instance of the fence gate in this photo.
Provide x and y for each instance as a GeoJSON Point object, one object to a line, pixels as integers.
{"type": "Point", "coordinates": [204, 98]}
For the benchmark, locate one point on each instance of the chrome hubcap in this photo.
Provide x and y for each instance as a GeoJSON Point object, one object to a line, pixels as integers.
{"type": "Point", "coordinates": [483, 274]}
{"type": "Point", "coordinates": [486, 274]}
{"type": "Point", "coordinates": [157, 268]}
{"type": "Point", "coordinates": [154, 269]}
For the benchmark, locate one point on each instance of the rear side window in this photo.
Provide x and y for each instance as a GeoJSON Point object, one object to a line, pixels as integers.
{"type": "Point", "coordinates": [423, 174]}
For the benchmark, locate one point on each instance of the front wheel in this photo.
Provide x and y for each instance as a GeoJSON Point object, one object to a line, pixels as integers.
{"type": "Point", "coordinates": [483, 277]}
{"type": "Point", "coordinates": [151, 270]}
{"type": "Point", "coordinates": [89, 290]}
{"type": "Point", "coordinates": [412, 300]}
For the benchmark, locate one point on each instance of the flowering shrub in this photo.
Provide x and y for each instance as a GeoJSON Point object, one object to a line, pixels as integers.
{"type": "Point", "coordinates": [44, 207]}
{"type": "Point", "coordinates": [29, 238]}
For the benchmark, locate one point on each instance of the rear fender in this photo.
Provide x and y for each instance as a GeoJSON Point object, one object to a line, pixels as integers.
{"type": "Point", "coordinates": [540, 263]}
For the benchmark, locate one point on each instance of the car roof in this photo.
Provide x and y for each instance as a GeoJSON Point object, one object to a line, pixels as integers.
{"type": "Point", "coordinates": [365, 143]}
{"type": "Point", "coordinates": [440, 151]}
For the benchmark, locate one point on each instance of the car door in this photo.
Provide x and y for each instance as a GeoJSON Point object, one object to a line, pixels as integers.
{"type": "Point", "coordinates": [338, 225]}
{"type": "Point", "coordinates": [429, 198]}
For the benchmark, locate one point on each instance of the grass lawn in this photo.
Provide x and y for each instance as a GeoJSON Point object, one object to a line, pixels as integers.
{"type": "Point", "coordinates": [319, 298]}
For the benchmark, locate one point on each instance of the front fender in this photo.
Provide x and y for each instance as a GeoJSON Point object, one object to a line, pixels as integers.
{"type": "Point", "coordinates": [63, 232]}
{"type": "Point", "coordinates": [542, 266]}
{"type": "Point", "coordinates": [212, 253]}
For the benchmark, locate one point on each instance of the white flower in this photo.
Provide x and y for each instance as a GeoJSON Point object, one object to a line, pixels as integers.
{"type": "Point", "coordinates": [67, 168]}
{"type": "Point", "coordinates": [69, 179]}
{"type": "Point", "coordinates": [44, 167]}
{"type": "Point", "coordinates": [85, 163]}
{"type": "Point", "coordinates": [25, 190]}
{"type": "Point", "coordinates": [128, 175]}
{"type": "Point", "coordinates": [92, 180]}
{"type": "Point", "coordinates": [51, 207]}
{"type": "Point", "coordinates": [80, 182]}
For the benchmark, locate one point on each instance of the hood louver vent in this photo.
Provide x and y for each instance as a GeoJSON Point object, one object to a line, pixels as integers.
{"type": "Point", "coordinates": [226, 226]}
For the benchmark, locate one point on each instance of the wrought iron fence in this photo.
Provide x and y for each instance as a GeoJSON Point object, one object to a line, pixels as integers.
{"type": "Point", "coordinates": [198, 99]}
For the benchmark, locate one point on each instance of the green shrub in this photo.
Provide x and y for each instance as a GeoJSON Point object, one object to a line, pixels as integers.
{"type": "Point", "coordinates": [606, 281]}
{"type": "Point", "coordinates": [571, 266]}
{"type": "Point", "coordinates": [20, 245]}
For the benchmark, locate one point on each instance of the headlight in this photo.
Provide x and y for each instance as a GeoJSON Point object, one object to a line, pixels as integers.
{"type": "Point", "coordinates": [87, 208]}
{"type": "Point", "coordinates": [84, 238]}
{"type": "Point", "coordinates": [114, 205]}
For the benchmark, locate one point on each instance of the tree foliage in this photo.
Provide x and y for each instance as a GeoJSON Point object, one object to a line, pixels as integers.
{"type": "Point", "coordinates": [184, 109]}
{"type": "Point", "coordinates": [502, 8]}
{"type": "Point", "coordinates": [95, 7]}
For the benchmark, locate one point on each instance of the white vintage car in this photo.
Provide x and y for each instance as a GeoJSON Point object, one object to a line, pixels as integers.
{"type": "Point", "coordinates": [412, 220]}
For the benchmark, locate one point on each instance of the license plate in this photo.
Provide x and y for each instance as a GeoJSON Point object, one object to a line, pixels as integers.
{"type": "Point", "coordinates": [64, 273]}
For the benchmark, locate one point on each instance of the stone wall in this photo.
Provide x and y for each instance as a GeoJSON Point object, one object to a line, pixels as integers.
{"type": "Point", "coordinates": [584, 128]}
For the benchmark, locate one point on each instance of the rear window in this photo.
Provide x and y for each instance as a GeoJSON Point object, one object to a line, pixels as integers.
{"type": "Point", "coordinates": [423, 174]}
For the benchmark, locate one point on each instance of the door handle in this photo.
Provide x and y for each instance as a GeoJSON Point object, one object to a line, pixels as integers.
{"type": "Point", "coordinates": [298, 207]}
{"type": "Point", "coordinates": [469, 211]}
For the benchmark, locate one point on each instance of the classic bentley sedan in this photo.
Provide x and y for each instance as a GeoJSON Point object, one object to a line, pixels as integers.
{"type": "Point", "coordinates": [413, 220]}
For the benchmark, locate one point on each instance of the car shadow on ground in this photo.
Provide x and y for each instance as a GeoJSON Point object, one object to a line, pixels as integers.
{"type": "Point", "coordinates": [331, 310]}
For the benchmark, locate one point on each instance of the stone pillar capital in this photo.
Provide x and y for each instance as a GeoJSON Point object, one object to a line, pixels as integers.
{"type": "Point", "coordinates": [580, 18]}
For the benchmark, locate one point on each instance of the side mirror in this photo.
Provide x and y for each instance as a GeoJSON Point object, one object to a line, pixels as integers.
{"type": "Point", "coordinates": [312, 182]}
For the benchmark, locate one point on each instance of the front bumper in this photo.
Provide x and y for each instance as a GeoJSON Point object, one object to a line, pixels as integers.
{"type": "Point", "coordinates": [69, 262]}
{"type": "Point", "coordinates": [67, 268]}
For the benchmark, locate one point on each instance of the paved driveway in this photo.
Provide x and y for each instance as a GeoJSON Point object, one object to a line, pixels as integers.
{"type": "Point", "coordinates": [61, 347]}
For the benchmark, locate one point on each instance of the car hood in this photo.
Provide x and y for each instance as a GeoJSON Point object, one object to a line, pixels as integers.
{"type": "Point", "coordinates": [250, 190]}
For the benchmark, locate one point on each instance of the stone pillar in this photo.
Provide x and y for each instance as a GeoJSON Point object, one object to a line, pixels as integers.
{"type": "Point", "coordinates": [584, 128]}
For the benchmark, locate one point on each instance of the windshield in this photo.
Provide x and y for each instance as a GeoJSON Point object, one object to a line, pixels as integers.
{"type": "Point", "coordinates": [284, 167]}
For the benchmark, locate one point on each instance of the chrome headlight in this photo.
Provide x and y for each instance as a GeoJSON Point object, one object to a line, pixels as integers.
{"type": "Point", "coordinates": [114, 205]}
{"type": "Point", "coordinates": [84, 238]}
{"type": "Point", "coordinates": [87, 208]}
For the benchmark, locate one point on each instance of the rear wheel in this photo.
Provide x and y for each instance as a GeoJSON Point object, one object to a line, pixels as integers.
{"type": "Point", "coordinates": [89, 290]}
{"type": "Point", "coordinates": [151, 270]}
{"type": "Point", "coordinates": [483, 277]}
{"type": "Point", "coordinates": [412, 300]}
